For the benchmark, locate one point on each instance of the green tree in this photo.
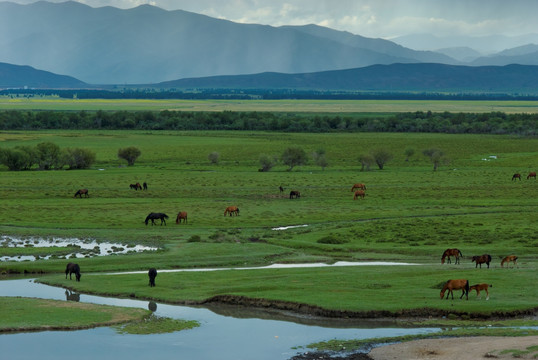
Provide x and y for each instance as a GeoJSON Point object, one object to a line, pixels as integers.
{"type": "Point", "coordinates": [79, 158]}
{"type": "Point", "coordinates": [14, 159]}
{"type": "Point", "coordinates": [294, 156]}
{"type": "Point", "coordinates": [437, 157]}
{"type": "Point", "coordinates": [267, 162]}
{"type": "Point", "coordinates": [130, 154]}
{"type": "Point", "coordinates": [49, 156]}
{"type": "Point", "coordinates": [381, 156]}
{"type": "Point", "coordinates": [408, 153]}
{"type": "Point", "coordinates": [320, 159]}
{"type": "Point", "coordinates": [214, 157]}
{"type": "Point", "coordinates": [366, 161]}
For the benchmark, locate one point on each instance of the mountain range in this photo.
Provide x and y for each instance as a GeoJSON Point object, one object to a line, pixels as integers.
{"type": "Point", "coordinates": [149, 45]}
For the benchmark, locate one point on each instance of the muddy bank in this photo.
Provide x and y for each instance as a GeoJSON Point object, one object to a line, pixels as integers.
{"type": "Point", "coordinates": [313, 310]}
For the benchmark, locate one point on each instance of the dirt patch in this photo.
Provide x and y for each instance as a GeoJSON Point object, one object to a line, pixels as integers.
{"type": "Point", "coordinates": [483, 347]}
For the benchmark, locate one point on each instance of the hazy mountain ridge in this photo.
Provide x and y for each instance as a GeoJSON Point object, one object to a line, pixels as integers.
{"type": "Point", "coordinates": [149, 44]}
{"type": "Point", "coordinates": [16, 76]}
{"type": "Point", "coordinates": [424, 77]}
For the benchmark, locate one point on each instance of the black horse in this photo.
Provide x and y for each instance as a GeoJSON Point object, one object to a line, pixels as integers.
{"type": "Point", "coordinates": [152, 273]}
{"type": "Point", "coordinates": [145, 185]}
{"type": "Point", "coordinates": [294, 194]}
{"type": "Point", "coordinates": [155, 216]}
{"type": "Point", "coordinates": [72, 269]}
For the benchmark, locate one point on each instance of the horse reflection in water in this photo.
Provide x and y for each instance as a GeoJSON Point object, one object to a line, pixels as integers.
{"type": "Point", "coordinates": [71, 296]}
{"type": "Point", "coordinates": [152, 306]}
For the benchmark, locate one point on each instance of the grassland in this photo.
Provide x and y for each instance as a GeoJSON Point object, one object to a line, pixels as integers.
{"type": "Point", "coordinates": [410, 213]}
{"type": "Point", "coordinates": [307, 106]}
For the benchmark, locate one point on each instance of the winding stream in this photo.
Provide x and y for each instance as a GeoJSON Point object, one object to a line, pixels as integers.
{"type": "Point", "coordinates": [226, 333]}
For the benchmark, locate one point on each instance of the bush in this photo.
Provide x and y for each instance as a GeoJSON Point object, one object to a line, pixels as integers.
{"type": "Point", "coordinates": [130, 154]}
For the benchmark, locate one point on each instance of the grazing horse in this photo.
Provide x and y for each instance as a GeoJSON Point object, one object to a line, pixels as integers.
{"type": "Point", "coordinates": [232, 210]}
{"type": "Point", "coordinates": [532, 175]}
{"type": "Point", "coordinates": [294, 194]}
{"type": "Point", "coordinates": [459, 284]}
{"type": "Point", "coordinates": [358, 186]}
{"type": "Point", "coordinates": [479, 287]}
{"type": "Point", "coordinates": [135, 186]}
{"type": "Point", "coordinates": [181, 215]}
{"type": "Point", "coordinates": [516, 176]}
{"type": "Point", "coordinates": [359, 193]}
{"type": "Point", "coordinates": [507, 260]}
{"type": "Point", "coordinates": [486, 258]}
{"type": "Point", "coordinates": [152, 273]}
{"type": "Point", "coordinates": [81, 192]}
{"type": "Point", "coordinates": [72, 269]}
{"type": "Point", "coordinates": [451, 252]}
{"type": "Point", "coordinates": [155, 216]}
{"type": "Point", "coordinates": [145, 185]}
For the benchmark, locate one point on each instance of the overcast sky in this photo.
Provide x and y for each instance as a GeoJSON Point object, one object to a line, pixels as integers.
{"type": "Point", "coordinates": [370, 18]}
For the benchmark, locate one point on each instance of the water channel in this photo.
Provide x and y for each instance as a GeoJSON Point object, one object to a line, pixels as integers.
{"type": "Point", "coordinates": [226, 332]}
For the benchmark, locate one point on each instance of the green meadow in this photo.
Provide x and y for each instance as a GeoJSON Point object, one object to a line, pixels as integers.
{"type": "Point", "coordinates": [410, 214]}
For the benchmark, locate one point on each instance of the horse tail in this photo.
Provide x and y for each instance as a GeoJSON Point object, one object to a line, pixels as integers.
{"type": "Point", "coordinates": [467, 287]}
{"type": "Point", "coordinates": [237, 211]}
{"type": "Point", "coordinates": [489, 258]}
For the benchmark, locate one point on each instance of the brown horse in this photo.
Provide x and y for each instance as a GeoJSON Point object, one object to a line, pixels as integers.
{"type": "Point", "coordinates": [459, 284]}
{"type": "Point", "coordinates": [359, 193]}
{"type": "Point", "coordinates": [181, 215]}
{"type": "Point", "coordinates": [294, 194]}
{"type": "Point", "coordinates": [232, 210]}
{"type": "Point", "coordinates": [516, 176]}
{"type": "Point", "coordinates": [507, 260]}
{"type": "Point", "coordinates": [532, 175]}
{"type": "Point", "coordinates": [479, 287]}
{"type": "Point", "coordinates": [135, 186]}
{"type": "Point", "coordinates": [81, 192]}
{"type": "Point", "coordinates": [358, 186]}
{"type": "Point", "coordinates": [451, 252]}
{"type": "Point", "coordinates": [486, 258]}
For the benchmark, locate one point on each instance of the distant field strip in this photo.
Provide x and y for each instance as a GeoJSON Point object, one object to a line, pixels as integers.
{"type": "Point", "coordinates": [308, 106]}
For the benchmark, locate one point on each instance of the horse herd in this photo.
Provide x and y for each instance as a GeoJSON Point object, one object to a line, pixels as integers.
{"type": "Point", "coordinates": [463, 284]}
{"type": "Point", "coordinates": [518, 176]}
{"type": "Point", "coordinates": [233, 210]}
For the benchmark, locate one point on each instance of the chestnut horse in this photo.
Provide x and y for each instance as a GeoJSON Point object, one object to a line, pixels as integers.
{"type": "Point", "coordinates": [152, 274]}
{"type": "Point", "coordinates": [532, 175]}
{"type": "Point", "coordinates": [451, 252]}
{"type": "Point", "coordinates": [459, 284]}
{"type": "Point", "coordinates": [232, 210]}
{"type": "Point", "coordinates": [358, 186]}
{"type": "Point", "coordinates": [507, 260]}
{"type": "Point", "coordinates": [479, 287]}
{"type": "Point", "coordinates": [81, 192]}
{"type": "Point", "coordinates": [181, 215]}
{"type": "Point", "coordinates": [486, 258]}
{"type": "Point", "coordinates": [516, 176]}
{"type": "Point", "coordinates": [72, 269]}
{"type": "Point", "coordinates": [359, 193]}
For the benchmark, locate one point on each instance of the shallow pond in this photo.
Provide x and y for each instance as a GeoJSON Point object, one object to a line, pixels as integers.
{"type": "Point", "coordinates": [226, 332]}
{"type": "Point", "coordinates": [81, 247]}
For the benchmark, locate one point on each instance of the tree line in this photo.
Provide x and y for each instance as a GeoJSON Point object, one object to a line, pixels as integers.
{"type": "Point", "coordinates": [524, 124]}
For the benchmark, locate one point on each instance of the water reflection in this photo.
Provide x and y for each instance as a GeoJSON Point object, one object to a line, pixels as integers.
{"type": "Point", "coordinates": [71, 296]}
{"type": "Point", "coordinates": [152, 306]}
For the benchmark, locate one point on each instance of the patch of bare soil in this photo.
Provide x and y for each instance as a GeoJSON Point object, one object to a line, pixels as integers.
{"type": "Point", "coordinates": [483, 347]}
